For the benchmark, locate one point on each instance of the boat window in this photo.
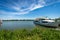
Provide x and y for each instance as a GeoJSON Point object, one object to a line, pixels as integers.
{"type": "Point", "coordinates": [44, 22]}
{"type": "Point", "coordinates": [36, 21]}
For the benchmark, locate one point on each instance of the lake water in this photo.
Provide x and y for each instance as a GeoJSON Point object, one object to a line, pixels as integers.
{"type": "Point", "coordinates": [11, 25]}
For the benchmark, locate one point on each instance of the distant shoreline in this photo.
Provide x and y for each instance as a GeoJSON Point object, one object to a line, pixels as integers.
{"type": "Point", "coordinates": [18, 20]}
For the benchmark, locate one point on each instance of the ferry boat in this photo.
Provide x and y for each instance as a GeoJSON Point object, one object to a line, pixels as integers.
{"type": "Point", "coordinates": [46, 22]}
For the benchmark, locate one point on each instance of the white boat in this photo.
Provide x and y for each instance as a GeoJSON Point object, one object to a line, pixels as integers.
{"type": "Point", "coordinates": [47, 22]}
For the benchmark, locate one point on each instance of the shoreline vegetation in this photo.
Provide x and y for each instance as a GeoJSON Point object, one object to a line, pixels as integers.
{"type": "Point", "coordinates": [37, 33]}
{"type": "Point", "coordinates": [56, 19]}
{"type": "Point", "coordinates": [18, 20]}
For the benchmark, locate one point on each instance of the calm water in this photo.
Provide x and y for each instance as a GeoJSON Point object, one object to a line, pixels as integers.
{"type": "Point", "coordinates": [17, 25]}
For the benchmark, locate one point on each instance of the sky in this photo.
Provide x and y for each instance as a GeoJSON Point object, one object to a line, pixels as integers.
{"type": "Point", "coordinates": [29, 9]}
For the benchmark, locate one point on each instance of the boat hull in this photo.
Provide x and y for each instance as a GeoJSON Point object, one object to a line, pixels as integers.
{"type": "Point", "coordinates": [47, 24]}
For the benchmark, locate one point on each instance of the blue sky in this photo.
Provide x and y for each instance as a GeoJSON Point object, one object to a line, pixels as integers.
{"type": "Point", "coordinates": [29, 9]}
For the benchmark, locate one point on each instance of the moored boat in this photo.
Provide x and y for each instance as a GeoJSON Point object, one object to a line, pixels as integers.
{"type": "Point", "coordinates": [46, 22]}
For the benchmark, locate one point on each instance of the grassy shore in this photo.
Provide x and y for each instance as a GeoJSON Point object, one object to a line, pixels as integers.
{"type": "Point", "coordinates": [34, 34]}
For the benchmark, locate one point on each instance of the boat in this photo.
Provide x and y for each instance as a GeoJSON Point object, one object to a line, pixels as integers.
{"type": "Point", "coordinates": [46, 22]}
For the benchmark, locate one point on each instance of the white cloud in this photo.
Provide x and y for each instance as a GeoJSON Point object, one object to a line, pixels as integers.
{"type": "Point", "coordinates": [33, 6]}
{"type": "Point", "coordinates": [12, 13]}
{"type": "Point", "coordinates": [36, 7]}
{"type": "Point", "coordinates": [16, 8]}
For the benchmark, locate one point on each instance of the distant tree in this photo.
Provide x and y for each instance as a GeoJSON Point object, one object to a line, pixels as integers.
{"type": "Point", "coordinates": [57, 19]}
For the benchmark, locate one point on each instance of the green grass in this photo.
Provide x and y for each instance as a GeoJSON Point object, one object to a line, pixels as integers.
{"type": "Point", "coordinates": [34, 34]}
